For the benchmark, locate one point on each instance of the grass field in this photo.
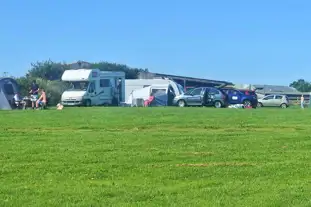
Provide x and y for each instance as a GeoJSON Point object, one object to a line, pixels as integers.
{"type": "Point", "coordinates": [155, 157]}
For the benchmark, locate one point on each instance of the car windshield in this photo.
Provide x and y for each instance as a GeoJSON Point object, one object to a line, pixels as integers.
{"type": "Point", "coordinates": [78, 86]}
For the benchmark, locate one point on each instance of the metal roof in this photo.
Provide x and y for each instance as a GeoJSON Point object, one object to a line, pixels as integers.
{"type": "Point", "coordinates": [190, 78]}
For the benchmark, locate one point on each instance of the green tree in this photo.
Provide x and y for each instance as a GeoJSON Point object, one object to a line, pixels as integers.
{"type": "Point", "coordinates": [301, 85]}
{"type": "Point", "coordinates": [130, 73]}
{"type": "Point", "coordinates": [48, 70]}
{"type": "Point", "coordinates": [24, 84]}
{"type": "Point", "coordinates": [48, 76]}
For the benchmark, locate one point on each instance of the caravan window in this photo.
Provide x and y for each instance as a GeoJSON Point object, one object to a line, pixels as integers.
{"type": "Point", "coordinates": [157, 91]}
{"type": "Point", "coordinates": [104, 83]}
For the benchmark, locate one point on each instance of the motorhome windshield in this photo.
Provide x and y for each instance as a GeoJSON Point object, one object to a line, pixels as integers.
{"type": "Point", "coordinates": [78, 86]}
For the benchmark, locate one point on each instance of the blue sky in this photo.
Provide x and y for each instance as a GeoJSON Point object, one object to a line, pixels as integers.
{"type": "Point", "coordinates": [243, 41]}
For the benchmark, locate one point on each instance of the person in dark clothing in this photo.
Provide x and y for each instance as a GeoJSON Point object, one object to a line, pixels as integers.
{"type": "Point", "coordinates": [34, 93]}
{"type": "Point", "coordinates": [204, 98]}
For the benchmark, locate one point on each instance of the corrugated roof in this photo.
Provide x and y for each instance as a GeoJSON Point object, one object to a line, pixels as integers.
{"type": "Point", "coordinates": [276, 88]}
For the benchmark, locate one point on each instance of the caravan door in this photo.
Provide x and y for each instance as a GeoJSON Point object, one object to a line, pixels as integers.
{"type": "Point", "coordinates": [105, 94]}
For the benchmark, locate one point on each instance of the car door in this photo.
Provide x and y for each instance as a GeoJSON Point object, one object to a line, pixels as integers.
{"type": "Point", "coordinates": [277, 100]}
{"type": "Point", "coordinates": [213, 95]}
{"type": "Point", "coordinates": [195, 97]}
{"type": "Point", "coordinates": [268, 100]}
{"type": "Point", "coordinates": [235, 97]}
{"type": "Point", "coordinates": [208, 94]}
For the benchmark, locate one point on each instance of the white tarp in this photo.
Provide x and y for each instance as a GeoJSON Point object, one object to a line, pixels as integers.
{"type": "Point", "coordinates": [158, 91]}
{"type": "Point", "coordinates": [4, 103]}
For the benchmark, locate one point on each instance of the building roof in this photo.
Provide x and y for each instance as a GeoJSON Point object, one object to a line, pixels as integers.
{"type": "Point", "coordinates": [275, 88]}
{"type": "Point", "coordinates": [157, 75]}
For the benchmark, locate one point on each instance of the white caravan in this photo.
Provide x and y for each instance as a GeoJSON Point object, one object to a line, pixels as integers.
{"type": "Point", "coordinates": [162, 95]}
{"type": "Point", "coordinates": [92, 87]}
{"type": "Point", "coordinates": [134, 84]}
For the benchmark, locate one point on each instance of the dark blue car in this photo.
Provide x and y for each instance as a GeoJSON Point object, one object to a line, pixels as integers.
{"type": "Point", "coordinates": [245, 97]}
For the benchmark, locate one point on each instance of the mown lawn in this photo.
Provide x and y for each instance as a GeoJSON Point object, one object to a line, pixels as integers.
{"type": "Point", "coordinates": [155, 157]}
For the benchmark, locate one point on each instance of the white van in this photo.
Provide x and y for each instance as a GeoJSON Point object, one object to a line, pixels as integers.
{"type": "Point", "coordinates": [92, 87]}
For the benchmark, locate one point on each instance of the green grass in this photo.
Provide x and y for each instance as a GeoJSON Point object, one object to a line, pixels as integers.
{"type": "Point", "coordinates": [155, 157]}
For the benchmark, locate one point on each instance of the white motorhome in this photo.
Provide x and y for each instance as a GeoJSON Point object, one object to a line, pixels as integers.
{"type": "Point", "coordinates": [92, 87]}
{"type": "Point", "coordinates": [134, 84]}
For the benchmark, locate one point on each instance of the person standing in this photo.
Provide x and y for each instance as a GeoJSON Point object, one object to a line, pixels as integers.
{"type": "Point", "coordinates": [34, 94]}
{"type": "Point", "coordinates": [302, 101]}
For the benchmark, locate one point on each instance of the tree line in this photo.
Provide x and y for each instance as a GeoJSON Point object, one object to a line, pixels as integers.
{"type": "Point", "coordinates": [48, 74]}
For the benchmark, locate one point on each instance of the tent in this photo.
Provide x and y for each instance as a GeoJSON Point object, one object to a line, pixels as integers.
{"type": "Point", "coordinates": [162, 94]}
{"type": "Point", "coordinates": [8, 88]}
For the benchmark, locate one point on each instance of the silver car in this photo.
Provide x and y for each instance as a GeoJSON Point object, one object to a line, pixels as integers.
{"type": "Point", "coordinates": [274, 101]}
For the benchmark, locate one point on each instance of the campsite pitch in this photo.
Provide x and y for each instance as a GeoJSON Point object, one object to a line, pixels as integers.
{"type": "Point", "coordinates": [155, 157]}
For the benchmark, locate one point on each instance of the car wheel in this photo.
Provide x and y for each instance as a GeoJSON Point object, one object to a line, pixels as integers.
{"type": "Point", "coordinates": [283, 106]}
{"type": "Point", "coordinates": [247, 103]}
{"type": "Point", "coordinates": [217, 104]}
{"type": "Point", "coordinates": [181, 103]}
{"type": "Point", "coordinates": [259, 105]}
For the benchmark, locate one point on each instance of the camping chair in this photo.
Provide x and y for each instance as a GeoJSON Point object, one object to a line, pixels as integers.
{"type": "Point", "coordinates": [148, 101]}
{"type": "Point", "coordinates": [43, 105]}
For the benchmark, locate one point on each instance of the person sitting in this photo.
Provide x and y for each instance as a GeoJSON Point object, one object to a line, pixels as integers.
{"type": "Point", "coordinates": [17, 100]}
{"type": "Point", "coordinates": [42, 100]}
{"type": "Point", "coordinates": [148, 102]}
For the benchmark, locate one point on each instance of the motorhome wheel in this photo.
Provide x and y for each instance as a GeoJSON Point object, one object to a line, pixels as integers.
{"type": "Point", "coordinates": [88, 103]}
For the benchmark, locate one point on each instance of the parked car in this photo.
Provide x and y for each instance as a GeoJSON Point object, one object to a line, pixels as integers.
{"type": "Point", "coordinates": [274, 101]}
{"type": "Point", "coordinates": [245, 97]}
{"type": "Point", "coordinates": [213, 96]}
